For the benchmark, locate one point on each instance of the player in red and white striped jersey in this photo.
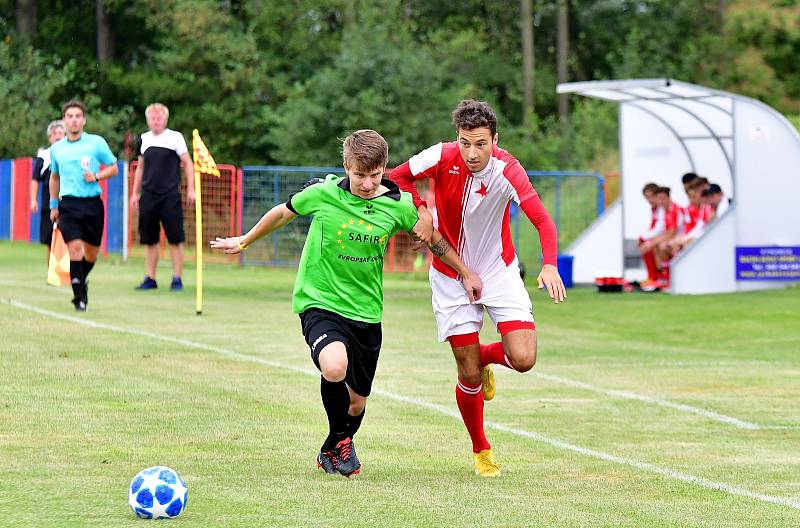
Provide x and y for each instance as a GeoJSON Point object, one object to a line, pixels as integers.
{"type": "Point", "coordinates": [673, 224]}
{"type": "Point", "coordinates": [475, 182]}
{"type": "Point", "coordinates": [697, 214]}
{"type": "Point", "coordinates": [656, 228]}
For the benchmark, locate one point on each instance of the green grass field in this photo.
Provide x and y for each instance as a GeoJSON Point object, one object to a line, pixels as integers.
{"type": "Point", "coordinates": [643, 410]}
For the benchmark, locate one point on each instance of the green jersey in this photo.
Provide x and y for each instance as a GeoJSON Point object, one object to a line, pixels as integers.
{"type": "Point", "coordinates": [341, 269]}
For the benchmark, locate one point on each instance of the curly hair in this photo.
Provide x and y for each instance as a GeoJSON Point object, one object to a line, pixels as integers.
{"type": "Point", "coordinates": [471, 114]}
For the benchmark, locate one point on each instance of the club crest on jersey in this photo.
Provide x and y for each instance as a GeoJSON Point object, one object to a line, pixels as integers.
{"type": "Point", "coordinates": [454, 170]}
{"type": "Point", "coordinates": [483, 190]}
{"type": "Point", "coordinates": [369, 209]}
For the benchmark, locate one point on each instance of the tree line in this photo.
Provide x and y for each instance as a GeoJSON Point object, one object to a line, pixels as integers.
{"type": "Point", "coordinates": [272, 82]}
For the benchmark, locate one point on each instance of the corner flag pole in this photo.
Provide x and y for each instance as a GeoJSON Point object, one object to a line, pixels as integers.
{"type": "Point", "coordinates": [203, 163]}
{"type": "Point", "coordinates": [198, 238]}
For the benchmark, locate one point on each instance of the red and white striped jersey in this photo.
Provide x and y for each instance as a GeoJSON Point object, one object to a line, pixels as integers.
{"type": "Point", "coordinates": [472, 210]}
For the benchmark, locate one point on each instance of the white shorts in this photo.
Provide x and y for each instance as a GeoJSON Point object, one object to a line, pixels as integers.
{"type": "Point", "coordinates": [504, 296]}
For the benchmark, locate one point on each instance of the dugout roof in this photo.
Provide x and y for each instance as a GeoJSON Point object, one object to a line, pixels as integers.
{"type": "Point", "coordinates": [669, 127]}
{"type": "Point", "coordinates": [700, 119]}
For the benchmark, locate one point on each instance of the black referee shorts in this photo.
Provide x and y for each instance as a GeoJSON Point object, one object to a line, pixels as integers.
{"type": "Point", "coordinates": [81, 219]}
{"type": "Point", "coordinates": [160, 209]}
{"type": "Point", "coordinates": [362, 341]}
{"type": "Point", "coordinates": [45, 227]}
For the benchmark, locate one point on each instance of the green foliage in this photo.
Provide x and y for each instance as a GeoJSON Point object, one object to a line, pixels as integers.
{"type": "Point", "coordinates": [206, 69]}
{"type": "Point", "coordinates": [549, 144]}
{"type": "Point", "coordinates": [294, 43]}
{"type": "Point", "coordinates": [762, 43]}
{"type": "Point", "coordinates": [28, 81]}
{"type": "Point", "coordinates": [377, 76]}
{"type": "Point", "coordinates": [643, 38]}
{"type": "Point", "coordinates": [30, 89]}
{"type": "Point", "coordinates": [271, 82]}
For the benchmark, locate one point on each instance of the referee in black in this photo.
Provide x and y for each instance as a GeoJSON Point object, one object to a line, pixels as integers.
{"type": "Point", "coordinates": [40, 174]}
{"type": "Point", "coordinates": [162, 153]}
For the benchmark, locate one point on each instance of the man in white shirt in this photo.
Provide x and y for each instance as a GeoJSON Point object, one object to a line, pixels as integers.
{"type": "Point", "coordinates": [162, 154]}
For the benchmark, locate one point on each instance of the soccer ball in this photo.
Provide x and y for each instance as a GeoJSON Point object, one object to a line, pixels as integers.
{"type": "Point", "coordinates": [157, 492]}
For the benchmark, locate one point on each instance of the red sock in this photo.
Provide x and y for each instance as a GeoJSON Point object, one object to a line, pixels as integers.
{"type": "Point", "coordinates": [650, 263]}
{"type": "Point", "coordinates": [494, 353]}
{"type": "Point", "coordinates": [470, 403]}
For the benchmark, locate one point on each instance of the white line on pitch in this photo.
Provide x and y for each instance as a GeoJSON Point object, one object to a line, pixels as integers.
{"type": "Point", "coordinates": [730, 420]}
{"type": "Point", "coordinates": [628, 395]}
{"type": "Point", "coordinates": [441, 409]}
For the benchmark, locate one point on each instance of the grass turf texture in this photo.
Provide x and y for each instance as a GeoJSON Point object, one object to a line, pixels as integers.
{"type": "Point", "coordinates": [82, 409]}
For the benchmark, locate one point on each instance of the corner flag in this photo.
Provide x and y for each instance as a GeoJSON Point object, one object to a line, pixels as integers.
{"type": "Point", "coordinates": [203, 164]}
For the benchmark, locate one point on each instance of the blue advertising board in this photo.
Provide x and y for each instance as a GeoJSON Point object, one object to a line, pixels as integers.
{"type": "Point", "coordinates": [768, 263]}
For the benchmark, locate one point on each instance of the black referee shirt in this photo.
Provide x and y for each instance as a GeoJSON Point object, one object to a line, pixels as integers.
{"type": "Point", "coordinates": [162, 162]}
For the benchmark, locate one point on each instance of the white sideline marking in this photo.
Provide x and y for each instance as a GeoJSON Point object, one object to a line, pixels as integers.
{"type": "Point", "coordinates": [628, 395]}
{"type": "Point", "coordinates": [666, 403]}
{"type": "Point", "coordinates": [441, 409]}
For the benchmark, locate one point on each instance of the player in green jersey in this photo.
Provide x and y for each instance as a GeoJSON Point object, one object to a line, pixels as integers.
{"type": "Point", "coordinates": [339, 287]}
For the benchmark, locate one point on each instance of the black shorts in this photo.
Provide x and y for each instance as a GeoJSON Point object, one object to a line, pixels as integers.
{"type": "Point", "coordinates": [81, 219]}
{"type": "Point", "coordinates": [45, 228]}
{"type": "Point", "coordinates": [160, 209]}
{"type": "Point", "coordinates": [362, 341]}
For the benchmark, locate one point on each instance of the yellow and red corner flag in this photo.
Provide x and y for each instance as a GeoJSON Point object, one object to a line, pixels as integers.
{"type": "Point", "coordinates": [203, 161]}
{"type": "Point", "coordinates": [58, 266]}
{"type": "Point", "coordinates": [203, 164]}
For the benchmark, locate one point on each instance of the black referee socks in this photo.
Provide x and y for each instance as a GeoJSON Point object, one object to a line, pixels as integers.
{"type": "Point", "coordinates": [77, 277]}
{"type": "Point", "coordinates": [87, 267]}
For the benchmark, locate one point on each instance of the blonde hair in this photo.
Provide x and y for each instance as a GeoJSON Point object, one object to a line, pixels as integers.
{"type": "Point", "coordinates": [156, 107]}
{"type": "Point", "coordinates": [365, 149]}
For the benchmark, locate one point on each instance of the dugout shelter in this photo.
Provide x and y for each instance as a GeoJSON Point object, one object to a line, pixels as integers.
{"type": "Point", "coordinates": [668, 128]}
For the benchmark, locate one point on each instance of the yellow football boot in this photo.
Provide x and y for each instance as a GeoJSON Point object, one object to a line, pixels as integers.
{"type": "Point", "coordinates": [489, 386]}
{"type": "Point", "coordinates": [485, 466]}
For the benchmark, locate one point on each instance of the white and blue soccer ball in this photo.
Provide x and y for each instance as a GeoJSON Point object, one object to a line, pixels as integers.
{"type": "Point", "coordinates": [157, 492]}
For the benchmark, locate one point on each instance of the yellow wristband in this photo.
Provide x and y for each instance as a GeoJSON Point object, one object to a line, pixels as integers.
{"type": "Point", "coordinates": [242, 247]}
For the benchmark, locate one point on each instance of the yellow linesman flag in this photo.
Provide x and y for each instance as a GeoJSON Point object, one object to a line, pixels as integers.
{"type": "Point", "coordinates": [203, 162]}
{"type": "Point", "coordinates": [58, 267]}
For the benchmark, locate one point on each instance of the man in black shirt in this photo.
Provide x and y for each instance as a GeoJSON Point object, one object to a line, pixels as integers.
{"type": "Point", "coordinates": [40, 174]}
{"type": "Point", "coordinates": [162, 153]}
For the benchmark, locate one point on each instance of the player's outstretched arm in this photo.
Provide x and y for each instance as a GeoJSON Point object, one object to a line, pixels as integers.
{"type": "Point", "coordinates": [469, 279]}
{"type": "Point", "coordinates": [275, 218]}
